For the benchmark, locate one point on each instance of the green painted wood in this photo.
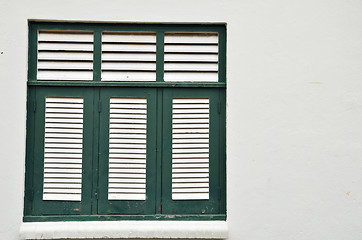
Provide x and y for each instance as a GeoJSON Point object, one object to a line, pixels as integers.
{"type": "Point", "coordinates": [222, 147]}
{"type": "Point", "coordinates": [32, 52]}
{"type": "Point", "coordinates": [41, 207]}
{"type": "Point", "coordinates": [97, 55]}
{"type": "Point", "coordinates": [123, 206]}
{"type": "Point", "coordinates": [95, 153]}
{"type": "Point", "coordinates": [215, 27]}
{"type": "Point", "coordinates": [29, 160]}
{"type": "Point", "coordinates": [126, 84]}
{"type": "Point", "coordinates": [209, 217]}
{"type": "Point", "coordinates": [158, 206]}
{"type": "Point", "coordinates": [160, 38]}
{"type": "Point", "coordinates": [222, 56]}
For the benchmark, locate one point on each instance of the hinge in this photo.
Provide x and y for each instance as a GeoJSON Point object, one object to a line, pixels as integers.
{"type": "Point", "coordinates": [219, 107]}
{"type": "Point", "coordinates": [99, 106]}
{"type": "Point", "coordinates": [96, 193]}
{"type": "Point", "coordinates": [34, 106]}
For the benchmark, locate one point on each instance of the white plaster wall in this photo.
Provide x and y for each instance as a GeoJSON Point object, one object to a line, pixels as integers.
{"type": "Point", "coordinates": [294, 120]}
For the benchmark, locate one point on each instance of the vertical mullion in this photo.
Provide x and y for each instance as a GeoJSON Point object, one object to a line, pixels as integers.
{"type": "Point", "coordinates": [97, 55]}
{"type": "Point", "coordinates": [159, 56]}
{"type": "Point", "coordinates": [222, 152]}
{"type": "Point", "coordinates": [222, 56]}
{"type": "Point", "coordinates": [29, 174]}
{"type": "Point", "coordinates": [95, 163]}
{"type": "Point", "coordinates": [33, 52]}
{"type": "Point", "coordinates": [159, 151]}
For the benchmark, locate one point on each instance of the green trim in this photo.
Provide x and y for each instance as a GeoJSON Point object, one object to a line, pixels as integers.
{"type": "Point", "coordinates": [29, 160]}
{"type": "Point", "coordinates": [217, 27]}
{"type": "Point", "coordinates": [97, 56]}
{"type": "Point", "coordinates": [222, 147]}
{"type": "Point", "coordinates": [95, 153]}
{"type": "Point", "coordinates": [125, 84]}
{"type": "Point", "coordinates": [222, 56]}
{"type": "Point", "coordinates": [159, 134]}
{"type": "Point", "coordinates": [33, 53]}
{"type": "Point", "coordinates": [214, 217]}
{"type": "Point", "coordinates": [160, 56]}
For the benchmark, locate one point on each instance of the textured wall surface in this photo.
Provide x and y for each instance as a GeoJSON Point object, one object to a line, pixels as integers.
{"type": "Point", "coordinates": [294, 115]}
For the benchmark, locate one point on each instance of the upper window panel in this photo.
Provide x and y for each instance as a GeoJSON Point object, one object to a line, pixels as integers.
{"type": "Point", "coordinates": [128, 56]}
{"type": "Point", "coordinates": [191, 57]}
{"type": "Point", "coordinates": [152, 55]}
{"type": "Point", "coordinates": [65, 55]}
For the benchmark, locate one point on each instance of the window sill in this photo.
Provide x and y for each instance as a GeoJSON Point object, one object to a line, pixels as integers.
{"type": "Point", "coordinates": [124, 229]}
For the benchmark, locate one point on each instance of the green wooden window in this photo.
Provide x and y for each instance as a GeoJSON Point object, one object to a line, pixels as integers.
{"type": "Point", "coordinates": [126, 121]}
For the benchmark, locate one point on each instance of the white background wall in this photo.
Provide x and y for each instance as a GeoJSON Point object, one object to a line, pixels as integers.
{"type": "Point", "coordinates": [294, 120]}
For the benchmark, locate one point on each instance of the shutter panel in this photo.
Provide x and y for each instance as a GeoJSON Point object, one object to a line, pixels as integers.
{"type": "Point", "coordinates": [65, 55]}
{"type": "Point", "coordinates": [128, 56]}
{"type": "Point", "coordinates": [191, 57]}
{"type": "Point", "coordinates": [63, 149]}
{"type": "Point", "coordinates": [190, 149]}
{"type": "Point", "coordinates": [127, 149]}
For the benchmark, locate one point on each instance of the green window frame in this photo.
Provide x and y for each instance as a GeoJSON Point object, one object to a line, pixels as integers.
{"type": "Point", "coordinates": [96, 94]}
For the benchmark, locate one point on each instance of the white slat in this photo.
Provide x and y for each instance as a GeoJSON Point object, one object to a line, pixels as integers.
{"type": "Point", "coordinates": [65, 36]}
{"type": "Point", "coordinates": [127, 148]}
{"type": "Point", "coordinates": [134, 66]}
{"type": "Point", "coordinates": [190, 66]}
{"type": "Point", "coordinates": [62, 152]}
{"type": "Point", "coordinates": [192, 48]}
{"type": "Point", "coordinates": [48, 65]}
{"type": "Point", "coordinates": [123, 196]}
{"type": "Point", "coordinates": [128, 56]}
{"type": "Point", "coordinates": [65, 75]}
{"type": "Point", "coordinates": [191, 76]}
{"type": "Point", "coordinates": [65, 55]}
{"type": "Point", "coordinates": [190, 149]}
{"type": "Point", "coordinates": [190, 196]}
{"type": "Point", "coordinates": [191, 57]}
{"type": "Point", "coordinates": [200, 38]}
{"type": "Point", "coordinates": [128, 37]}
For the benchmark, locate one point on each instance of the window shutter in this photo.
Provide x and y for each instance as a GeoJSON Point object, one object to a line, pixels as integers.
{"type": "Point", "coordinates": [127, 149]}
{"type": "Point", "coordinates": [190, 149]}
{"type": "Point", "coordinates": [128, 56]}
{"type": "Point", "coordinates": [65, 55]}
{"type": "Point", "coordinates": [63, 149]}
{"type": "Point", "coordinates": [127, 156]}
{"type": "Point", "coordinates": [190, 163]}
{"type": "Point", "coordinates": [191, 57]}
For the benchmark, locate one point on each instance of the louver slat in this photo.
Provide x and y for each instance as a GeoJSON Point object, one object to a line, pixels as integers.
{"type": "Point", "coordinates": [63, 149]}
{"type": "Point", "coordinates": [128, 56]}
{"type": "Point", "coordinates": [190, 149]}
{"type": "Point", "coordinates": [65, 55]}
{"type": "Point", "coordinates": [127, 149]}
{"type": "Point", "coordinates": [191, 57]}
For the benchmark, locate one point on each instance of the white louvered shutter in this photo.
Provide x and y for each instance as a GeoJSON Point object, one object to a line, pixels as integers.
{"type": "Point", "coordinates": [127, 149]}
{"type": "Point", "coordinates": [128, 56]}
{"type": "Point", "coordinates": [63, 149]}
{"type": "Point", "coordinates": [191, 57]}
{"type": "Point", "coordinates": [65, 55]}
{"type": "Point", "coordinates": [190, 148]}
